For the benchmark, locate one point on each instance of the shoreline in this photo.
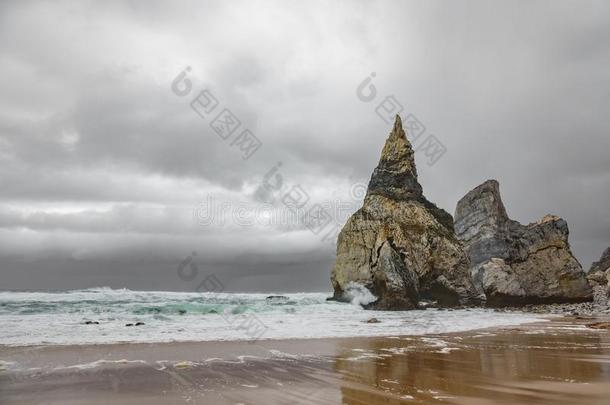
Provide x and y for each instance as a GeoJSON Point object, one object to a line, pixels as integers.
{"type": "Point", "coordinates": [559, 360]}
{"type": "Point", "coordinates": [249, 347]}
{"type": "Point", "coordinates": [540, 318]}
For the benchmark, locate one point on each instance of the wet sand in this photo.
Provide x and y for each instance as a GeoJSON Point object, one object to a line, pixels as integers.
{"type": "Point", "coordinates": [556, 362]}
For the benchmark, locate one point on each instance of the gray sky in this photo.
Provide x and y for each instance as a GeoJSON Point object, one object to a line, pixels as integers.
{"type": "Point", "coordinates": [109, 178]}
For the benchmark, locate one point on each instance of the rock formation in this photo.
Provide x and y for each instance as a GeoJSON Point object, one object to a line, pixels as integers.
{"type": "Point", "coordinates": [400, 246]}
{"type": "Point", "coordinates": [599, 280]}
{"type": "Point", "coordinates": [517, 264]}
{"type": "Point", "coordinates": [602, 265]}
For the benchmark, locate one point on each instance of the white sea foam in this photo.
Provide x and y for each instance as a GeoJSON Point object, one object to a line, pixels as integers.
{"type": "Point", "coordinates": [98, 363]}
{"type": "Point", "coordinates": [7, 365]}
{"type": "Point", "coordinates": [38, 318]}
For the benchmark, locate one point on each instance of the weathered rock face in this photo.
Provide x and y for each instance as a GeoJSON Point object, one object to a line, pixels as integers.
{"type": "Point", "coordinates": [517, 264]}
{"type": "Point", "coordinates": [603, 264]}
{"type": "Point", "coordinates": [599, 280]}
{"type": "Point", "coordinates": [400, 246]}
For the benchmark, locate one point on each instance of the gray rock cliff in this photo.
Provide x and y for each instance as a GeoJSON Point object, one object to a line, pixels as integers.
{"type": "Point", "coordinates": [517, 264]}
{"type": "Point", "coordinates": [603, 264]}
{"type": "Point", "coordinates": [599, 280]}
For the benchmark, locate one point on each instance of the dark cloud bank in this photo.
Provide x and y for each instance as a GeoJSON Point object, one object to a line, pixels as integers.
{"type": "Point", "coordinates": [105, 169]}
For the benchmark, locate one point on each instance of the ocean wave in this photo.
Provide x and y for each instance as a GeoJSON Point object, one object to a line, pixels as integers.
{"type": "Point", "coordinates": [101, 315]}
{"type": "Point", "coordinates": [184, 309]}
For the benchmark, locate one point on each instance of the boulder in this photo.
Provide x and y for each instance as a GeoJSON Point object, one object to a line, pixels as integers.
{"type": "Point", "coordinates": [516, 264]}
{"type": "Point", "coordinates": [276, 298]}
{"type": "Point", "coordinates": [399, 246]}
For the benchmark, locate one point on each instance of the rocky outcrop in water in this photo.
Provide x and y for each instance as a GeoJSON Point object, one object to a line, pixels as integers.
{"type": "Point", "coordinates": [400, 246]}
{"type": "Point", "coordinates": [516, 264]}
{"type": "Point", "coordinates": [599, 280]}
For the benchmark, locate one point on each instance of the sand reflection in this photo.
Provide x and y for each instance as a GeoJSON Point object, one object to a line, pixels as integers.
{"type": "Point", "coordinates": [553, 364]}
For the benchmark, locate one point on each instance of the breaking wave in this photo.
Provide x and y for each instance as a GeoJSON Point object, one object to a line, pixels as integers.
{"type": "Point", "coordinates": [102, 315]}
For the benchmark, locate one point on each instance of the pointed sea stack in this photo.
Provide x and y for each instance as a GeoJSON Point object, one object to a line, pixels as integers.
{"type": "Point", "coordinates": [399, 245]}
{"type": "Point", "coordinates": [516, 264]}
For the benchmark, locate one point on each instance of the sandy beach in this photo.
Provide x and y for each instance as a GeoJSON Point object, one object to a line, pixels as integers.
{"type": "Point", "coordinates": [309, 202]}
{"type": "Point", "coordinates": [561, 361]}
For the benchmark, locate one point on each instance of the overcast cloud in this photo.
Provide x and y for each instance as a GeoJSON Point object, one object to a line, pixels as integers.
{"type": "Point", "coordinates": [106, 173]}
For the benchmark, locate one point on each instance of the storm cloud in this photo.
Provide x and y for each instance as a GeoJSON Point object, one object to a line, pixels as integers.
{"type": "Point", "coordinates": [109, 177]}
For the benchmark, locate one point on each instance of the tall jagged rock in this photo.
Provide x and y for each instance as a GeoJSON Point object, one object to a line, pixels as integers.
{"type": "Point", "coordinates": [599, 280]}
{"type": "Point", "coordinates": [399, 245]}
{"type": "Point", "coordinates": [513, 263]}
